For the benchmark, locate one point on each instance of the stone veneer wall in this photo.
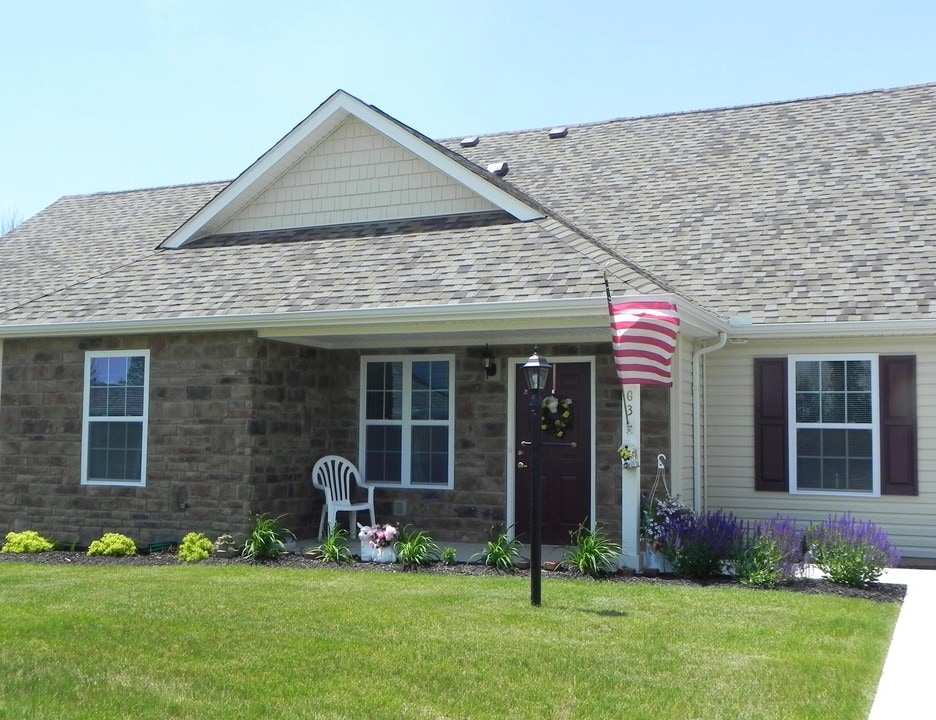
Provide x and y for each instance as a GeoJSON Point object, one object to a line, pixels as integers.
{"type": "Point", "coordinates": [230, 435]}
{"type": "Point", "coordinates": [236, 423]}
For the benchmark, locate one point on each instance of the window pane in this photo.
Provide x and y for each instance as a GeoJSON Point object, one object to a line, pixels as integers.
{"type": "Point", "coordinates": [430, 390]}
{"type": "Point", "coordinates": [383, 453]}
{"type": "Point", "coordinates": [115, 451]}
{"type": "Point", "coordinates": [809, 473]}
{"type": "Point", "coordinates": [807, 407]}
{"type": "Point", "coordinates": [833, 407]}
{"type": "Point", "coordinates": [858, 375]}
{"type": "Point", "coordinates": [859, 407]}
{"type": "Point", "coordinates": [807, 376]}
{"type": "Point", "coordinates": [833, 375]}
{"type": "Point", "coordinates": [839, 460]}
{"type": "Point", "coordinates": [430, 455]}
{"type": "Point", "coordinates": [384, 399]}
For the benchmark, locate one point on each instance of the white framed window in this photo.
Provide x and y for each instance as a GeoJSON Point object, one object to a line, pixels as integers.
{"type": "Point", "coordinates": [834, 438]}
{"type": "Point", "coordinates": [407, 421]}
{"type": "Point", "coordinates": [115, 418]}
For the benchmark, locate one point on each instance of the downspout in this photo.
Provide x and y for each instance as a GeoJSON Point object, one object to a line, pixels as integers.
{"type": "Point", "coordinates": [697, 418]}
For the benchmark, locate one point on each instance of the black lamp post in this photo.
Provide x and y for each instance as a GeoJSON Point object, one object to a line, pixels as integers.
{"type": "Point", "coordinates": [536, 371]}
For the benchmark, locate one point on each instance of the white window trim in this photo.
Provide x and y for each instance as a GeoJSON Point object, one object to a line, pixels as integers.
{"type": "Point", "coordinates": [793, 425]}
{"type": "Point", "coordinates": [87, 419]}
{"type": "Point", "coordinates": [405, 472]}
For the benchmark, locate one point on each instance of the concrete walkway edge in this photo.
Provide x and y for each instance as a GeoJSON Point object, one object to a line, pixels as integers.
{"type": "Point", "coordinates": [904, 690]}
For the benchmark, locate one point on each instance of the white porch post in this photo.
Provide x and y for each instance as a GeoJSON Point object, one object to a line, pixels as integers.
{"type": "Point", "coordinates": [630, 477]}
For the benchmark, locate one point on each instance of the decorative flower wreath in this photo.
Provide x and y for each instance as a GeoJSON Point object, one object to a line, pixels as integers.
{"type": "Point", "coordinates": [557, 415]}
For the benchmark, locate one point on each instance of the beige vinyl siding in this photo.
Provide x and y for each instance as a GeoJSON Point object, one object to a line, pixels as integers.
{"type": "Point", "coordinates": [355, 175]}
{"type": "Point", "coordinates": [729, 443]}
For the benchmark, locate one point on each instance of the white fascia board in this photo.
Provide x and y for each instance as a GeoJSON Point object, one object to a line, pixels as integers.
{"type": "Point", "coordinates": [309, 133]}
{"type": "Point", "coordinates": [580, 312]}
{"type": "Point", "coordinates": [833, 329]}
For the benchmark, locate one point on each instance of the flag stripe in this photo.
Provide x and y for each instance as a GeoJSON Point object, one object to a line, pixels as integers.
{"type": "Point", "coordinates": [643, 339]}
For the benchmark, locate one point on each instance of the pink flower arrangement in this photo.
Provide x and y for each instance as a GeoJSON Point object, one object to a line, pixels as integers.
{"type": "Point", "coordinates": [380, 535]}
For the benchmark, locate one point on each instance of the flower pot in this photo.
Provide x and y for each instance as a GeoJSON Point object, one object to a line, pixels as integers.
{"type": "Point", "coordinates": [654, 560]}
{"type": "Point", "coordinates": [383, 555]}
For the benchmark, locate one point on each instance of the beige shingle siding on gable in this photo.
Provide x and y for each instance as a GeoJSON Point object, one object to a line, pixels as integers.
{"type": "Point", "coordinates": [729, 443]}
{"type": "Point", "coordinates": [355, 175]}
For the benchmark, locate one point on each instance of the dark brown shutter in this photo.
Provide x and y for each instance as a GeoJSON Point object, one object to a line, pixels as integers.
{"type": "Point", "coordinates": [770, 425]}
{"type": "Point", "coordinates": [898, 425]}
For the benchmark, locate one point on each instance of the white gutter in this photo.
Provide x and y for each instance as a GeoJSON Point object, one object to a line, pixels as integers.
{"type": "Point", "coordinates": [833, 329]}
{"type": "Point", "coordinates": [697, 503]}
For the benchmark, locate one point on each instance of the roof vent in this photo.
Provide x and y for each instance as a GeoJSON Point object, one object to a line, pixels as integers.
{"type": "Point", "coordinates": [469, 141]}
{"type": "Point", "coordinates": [499, 168]}
{"type": "Point", "coordinates": [558, 132]}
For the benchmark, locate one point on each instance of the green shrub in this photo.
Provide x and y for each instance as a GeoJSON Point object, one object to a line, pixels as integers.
{"type": "Point", "coordinates": [113, 545]}
{"type": "Point", "coordinates": [501, 552]}
{"type": "Point", "coordinates": [265, 541]}
{"type": "Point", "coordinates": [195, 547]}
{"type": "Point", "coordinates": [850, 551]}
{"type": "Point", "coordinates": [416, 549]}
{"type": "Point", "coordinates": [592, 553]}
{"type": "Point", "coordinates": [333, 548]}
{"type": "Point", "coordinates": [27, 541]}
{"type": "Point", "coordinates": [448, 556]}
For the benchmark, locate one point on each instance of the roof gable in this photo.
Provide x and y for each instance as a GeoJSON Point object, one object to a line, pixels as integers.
{"type": "Point", "coordinates": [348, 162]}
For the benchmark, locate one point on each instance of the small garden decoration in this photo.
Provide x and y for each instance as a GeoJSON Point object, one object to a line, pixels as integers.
{"type": "Point", "coordinates": [377, 543]}
{"type": "Point", "coordinates": [557, 415]}
{"type": "Point", "coordinates": [628, 456]}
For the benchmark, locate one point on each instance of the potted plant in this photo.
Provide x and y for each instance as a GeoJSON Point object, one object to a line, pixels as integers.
{"type": "Point", "coordinates": [656, 514]}
{"type": "Point", "coordinates": [377, 543]}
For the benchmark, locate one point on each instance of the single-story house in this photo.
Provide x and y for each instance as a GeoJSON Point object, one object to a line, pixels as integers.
{"type": "Point", "coordinates": [177, 358]}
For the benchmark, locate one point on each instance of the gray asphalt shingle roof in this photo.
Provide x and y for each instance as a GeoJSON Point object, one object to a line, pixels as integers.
{"type": "Point", "coordinates": [819, 209]}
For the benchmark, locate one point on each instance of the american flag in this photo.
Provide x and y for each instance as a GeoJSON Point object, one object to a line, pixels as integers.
{"type": "Point", "coordinates": [643, 337]}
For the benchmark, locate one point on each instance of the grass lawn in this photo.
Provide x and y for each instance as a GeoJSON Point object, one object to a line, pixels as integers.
{"type": "Point", "coordinates": [254, 642]}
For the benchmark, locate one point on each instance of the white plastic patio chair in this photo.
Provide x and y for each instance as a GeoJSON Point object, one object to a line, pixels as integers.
{"type": "Point", "coordinates": [333, 475]}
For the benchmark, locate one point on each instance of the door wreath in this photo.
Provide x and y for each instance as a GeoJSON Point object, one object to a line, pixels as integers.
{"type": "Point", "coordinates": [556, 416]}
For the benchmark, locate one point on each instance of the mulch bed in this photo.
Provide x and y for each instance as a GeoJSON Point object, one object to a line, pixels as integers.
{"type": "Point", "coordinates": [878, 592]}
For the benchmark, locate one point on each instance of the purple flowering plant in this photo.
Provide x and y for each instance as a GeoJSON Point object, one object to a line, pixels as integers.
{"type": "Point", "coordinates": [698, 545]}
{"type": "Point", "coordinates": [769, 552]}
{"type": "Point", "coordinates": [850, 551]}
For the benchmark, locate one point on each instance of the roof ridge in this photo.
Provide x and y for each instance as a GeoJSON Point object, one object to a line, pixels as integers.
{"type": "Point", "coordinates": [698, 111]}
{"type": "Point", "coordinates": [176, 186]}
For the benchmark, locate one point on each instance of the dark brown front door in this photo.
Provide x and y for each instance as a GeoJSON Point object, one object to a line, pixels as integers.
{"type": "Point", "coordinates": [565, 470]}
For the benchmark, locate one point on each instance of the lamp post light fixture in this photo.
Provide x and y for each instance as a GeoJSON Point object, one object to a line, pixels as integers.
{"type": "Point", "coordinates": [536, 370]}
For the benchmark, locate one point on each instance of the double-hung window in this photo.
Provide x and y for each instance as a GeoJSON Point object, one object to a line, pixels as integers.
{"type": "Point", "coordinates": [407, 420]}
{"type": "Point", "coordinates": [835, 433]}
{"type": "Point", "coordinates": [114, 427]}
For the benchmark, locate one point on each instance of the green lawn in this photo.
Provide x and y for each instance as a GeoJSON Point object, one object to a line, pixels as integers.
{"type": "Point", "coordinates": [253, 642]}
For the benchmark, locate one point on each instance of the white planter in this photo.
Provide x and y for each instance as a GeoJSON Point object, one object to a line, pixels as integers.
{"type": "Point", "coordinates": [383, 555]}
{"type": "Point", "coordinates": [654, 560]}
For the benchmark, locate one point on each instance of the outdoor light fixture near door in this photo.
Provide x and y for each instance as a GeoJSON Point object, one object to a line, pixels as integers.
{"type": "Point", "coordinates": [536, 372]}
{"type": "Point", "coordinates": [487, 362]}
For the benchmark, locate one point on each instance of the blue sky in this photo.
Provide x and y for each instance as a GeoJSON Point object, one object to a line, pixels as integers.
{"type": "Point", "coordinates": [140, 93]}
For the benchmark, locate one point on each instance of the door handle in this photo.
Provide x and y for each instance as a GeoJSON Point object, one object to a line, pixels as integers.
{"type": "Point", "coordinates": [521, 465]}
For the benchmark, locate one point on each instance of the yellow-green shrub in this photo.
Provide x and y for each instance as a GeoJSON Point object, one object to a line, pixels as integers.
{"type": "Point", "coordinates": [195, 547]}
{"type": "Point", "coordinates": [113, 545]}
{"type": "Point", "coordinates": [27, 541]}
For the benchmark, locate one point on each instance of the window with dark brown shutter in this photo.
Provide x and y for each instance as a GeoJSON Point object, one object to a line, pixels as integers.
{"type": "Point", "coordinates": [770, 425]}
{"type": "Point", "coordinates": [897, 420]}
